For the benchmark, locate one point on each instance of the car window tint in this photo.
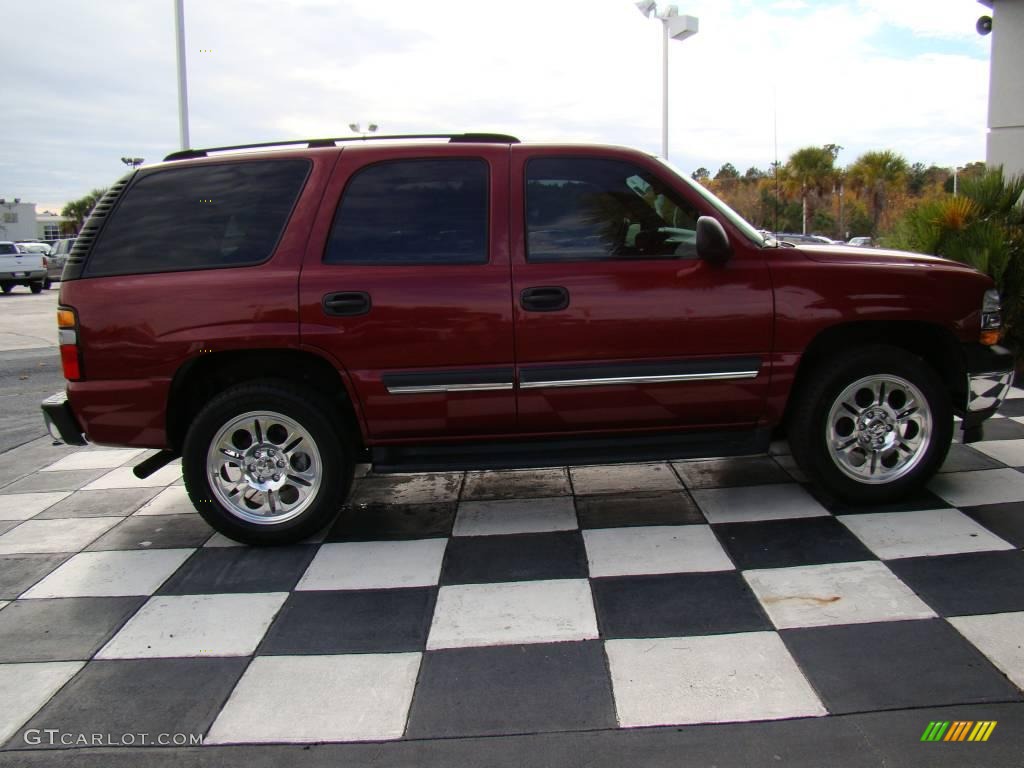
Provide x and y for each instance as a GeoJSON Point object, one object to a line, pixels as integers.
{"type": "Point", "coordinates": [413, 212]}
{"type": "Point", "coordinates": [589, 209]}
{"type": "Point", "coordinates": [8, 248]}
{"type": "Point", "coordinates": [199, 217]}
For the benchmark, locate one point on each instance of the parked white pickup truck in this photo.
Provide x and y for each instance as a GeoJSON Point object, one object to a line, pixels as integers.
{"type": "Point", "coordinates": [18, 268]}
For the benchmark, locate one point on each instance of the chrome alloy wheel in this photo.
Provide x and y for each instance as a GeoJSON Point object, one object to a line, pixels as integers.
{"type": "Point", "coordinates": [879, 429]}
{"type": "Point", "coordinates": [264, 467]}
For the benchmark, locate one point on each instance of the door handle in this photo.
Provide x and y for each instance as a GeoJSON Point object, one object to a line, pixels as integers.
{"type": "Point", "coordinates": [346, 303]}
{"type": "Point", "coordinates": [547, 298]}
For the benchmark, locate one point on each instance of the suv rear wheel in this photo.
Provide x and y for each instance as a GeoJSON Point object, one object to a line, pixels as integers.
{"type": "Point", "coordinates": [873, 425]}
{"type": "Point", "coordinates": [265, 463]}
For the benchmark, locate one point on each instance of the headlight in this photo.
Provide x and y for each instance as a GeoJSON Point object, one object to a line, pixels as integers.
{"type": "Point", "coordinates": [991, 317]}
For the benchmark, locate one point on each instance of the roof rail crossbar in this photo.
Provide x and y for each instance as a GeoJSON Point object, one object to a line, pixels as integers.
{"type": "Point", "coordinates": [482, 138]}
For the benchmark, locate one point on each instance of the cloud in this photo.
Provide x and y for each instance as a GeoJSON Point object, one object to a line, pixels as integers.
{"type": "Point", "coordinates": [865, 74]}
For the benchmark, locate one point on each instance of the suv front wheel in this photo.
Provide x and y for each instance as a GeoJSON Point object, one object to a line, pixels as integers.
{"type": "Point", "coordinates": [873, 425]}
{"type": "Point", "coordinates": [265, 463]}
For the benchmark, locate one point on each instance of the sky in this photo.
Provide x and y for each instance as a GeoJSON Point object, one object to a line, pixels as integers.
{"type": "Point", "coordinates": [760, 79]}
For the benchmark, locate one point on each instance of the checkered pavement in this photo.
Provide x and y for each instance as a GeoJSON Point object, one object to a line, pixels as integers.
{"type": "Point", "coordinates": [488, 603]}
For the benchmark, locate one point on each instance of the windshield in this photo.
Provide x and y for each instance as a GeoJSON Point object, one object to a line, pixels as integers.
{"type": "Point", "coordinates": [734, 218]}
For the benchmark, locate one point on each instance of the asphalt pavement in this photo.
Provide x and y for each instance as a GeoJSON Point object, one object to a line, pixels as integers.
{"type": "Point", "coordinates": [29, 363]}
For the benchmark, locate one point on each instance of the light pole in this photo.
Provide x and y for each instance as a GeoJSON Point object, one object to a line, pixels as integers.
{"type": "Point", "coordinates": [370, 128]}
{"type": "Point", "coordinates": [179, 33]}
{"type": "Point", "coordinates": [674, 27]}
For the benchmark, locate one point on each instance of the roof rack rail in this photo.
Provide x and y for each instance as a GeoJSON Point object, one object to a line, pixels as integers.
{"type": "Point", "coordinates": [455, 138]}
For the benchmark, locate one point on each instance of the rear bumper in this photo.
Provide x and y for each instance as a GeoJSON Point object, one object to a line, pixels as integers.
{"type": "Point", "coordinates": [989, 377]}
{"type": "Point", "coordinates": [22, 276]}
{"type": "Point", "coordinates": [60, 420]}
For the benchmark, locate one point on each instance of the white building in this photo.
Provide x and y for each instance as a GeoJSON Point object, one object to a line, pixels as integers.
{"type": "Point", "coordinates": [18, 221]}
{"type": "Point", "coordinates": [1005, 144]}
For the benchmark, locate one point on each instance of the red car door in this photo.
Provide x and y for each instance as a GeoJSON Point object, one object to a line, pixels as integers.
{"type": "Point", "coordinates": [619, 326]}
{"type": "Point", "coordinates": [405, 287]}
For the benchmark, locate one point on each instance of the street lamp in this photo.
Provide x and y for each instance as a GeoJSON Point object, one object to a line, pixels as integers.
{"type": "Point", "coordinates": [179, 35]}
{"type": "Point", "coordinates": [675, 27]}
{"type": "Point", "coordinates": [133, 162]}
{"type": "Point", "coordinates": [370, 128]}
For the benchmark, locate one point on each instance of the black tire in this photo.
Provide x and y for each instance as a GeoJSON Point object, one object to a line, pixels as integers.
{"type": "Point", "coordinates": [6, 287]}
{"type": "Point", "coordinates": [47, 284]}
{"type": "Point", "coordinates": [36, 287]}
{"type": "Point", "coordinates": [808, 424]}
{"type": "Point", "coordinates": [311, 412]}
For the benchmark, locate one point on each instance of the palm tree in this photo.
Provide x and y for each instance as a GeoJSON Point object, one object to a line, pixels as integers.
{"type": "Point", "coordinates": [807, 173]}
{"type": "Point", "coordinates": [876, 174]}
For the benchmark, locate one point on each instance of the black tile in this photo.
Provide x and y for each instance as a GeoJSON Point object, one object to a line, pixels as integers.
{"type": "Point", "coordinates": [155, 532]}
{"type": "Point", "coordinates": [954, 585]}
{"type": "Point", "coordinates": [61, 629]}
{"type": "Point", "coordinates": [6, 525]}
{"type": "Point", "coordinates": [1013, 407]}
{"type": "Point", "coordinates": [1003, 429]}
{"type": "Point", "coordinates": [368, 621]}
{"type": "Point", "coordinates": [140, 696]}
{"type": "Point", "coordinates": [786, 543]}
{"type": "Point", "coordinates": [725, 473]}
{"type": "Point", "coordinates": [619, 510]}
{"type": "Point", "coordinates": [378, 522]}
{"type": "Point", "coordinates": [516, 557]}
{"type": "Point", "coordinates": [112, 503]}
{"type": "Point", "coordinates": [19, 572]}
{"type": "Point", "coordinates": [240, 569]}
{"type": "Point", "coordinates": [1004, 520]}
{"type": "Point", "coordinates": [922, 499]}
{"type": "Point", "coordinates": [963, 458]}
{"type": "Point", "coordinates": [895, 665]}
{"type": "Point", "coordinates": [512, 689]}
{"type": "Point", "coordinates": [676, 605]}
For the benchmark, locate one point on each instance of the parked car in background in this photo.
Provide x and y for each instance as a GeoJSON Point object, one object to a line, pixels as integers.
{"type": "Point", "coordinates": [58, 256]}
{"type": "Point", "coordinates": [19, 267]}
{"type": "Point", "coordinates": [45, 249]}
{"type": "Point", "coordinates": [862, 242]}
{"type": "Point", "coordinates": [799, 239]}
{"type": "Point", "coordinates": [478, 303]}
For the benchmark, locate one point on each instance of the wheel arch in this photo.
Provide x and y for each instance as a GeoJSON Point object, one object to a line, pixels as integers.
{"type": "Point", "coordinates": [199, 379]}
{"type": "Point", "coordinates": [934, 344]}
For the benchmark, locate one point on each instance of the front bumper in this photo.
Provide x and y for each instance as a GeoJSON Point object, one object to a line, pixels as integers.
{"type": "Point", "coordinates": [60, 420]}
{"type": "Point", "coordinates": [989, 378]}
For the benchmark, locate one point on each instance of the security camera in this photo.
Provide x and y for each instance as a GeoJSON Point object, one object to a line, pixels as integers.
{"type": "Point", "coordinates": [984, 25]}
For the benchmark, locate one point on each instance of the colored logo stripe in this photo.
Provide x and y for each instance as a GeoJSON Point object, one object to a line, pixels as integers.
{"type": "Point", "coordinates": [958, 730]}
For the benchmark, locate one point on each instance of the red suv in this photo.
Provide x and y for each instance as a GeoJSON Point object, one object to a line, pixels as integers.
{"type": "Point", "coordinates": [275, 315]}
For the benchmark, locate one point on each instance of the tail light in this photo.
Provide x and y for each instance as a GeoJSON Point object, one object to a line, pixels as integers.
{"type": "Point", "coordinates": [70, 358]}
{"type": "Point", "coordinates": [46, 262]}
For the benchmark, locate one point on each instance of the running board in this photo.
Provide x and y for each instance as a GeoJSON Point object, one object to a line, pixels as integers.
{"type": "Point", "coordinates": [561, 452]}
{"type": "Point", "coordinates": [157, 461]}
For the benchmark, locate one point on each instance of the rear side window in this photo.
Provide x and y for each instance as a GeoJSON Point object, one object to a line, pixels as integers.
{"type": "Point", "coordinates": [8, 248]}
{"type": "Point", "coordinates": [199, 217]}
{"type": "Point", "coordinates": [413, 212]}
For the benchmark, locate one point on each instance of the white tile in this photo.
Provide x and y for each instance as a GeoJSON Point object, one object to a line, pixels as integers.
{"type": "Point", "coordinates": [1010, 452]}
{"type": "Point", "coordinates": [196, 625]}
{"type": "Point", "coordinates": [654, 549]}
{"type": "Point", "coordinates": [1000, 636]}
{"type": "Point", "coordinates": [375, 565]}
{"type": "Point", "coordinates": [111, 574]}
{"type": "Point", "coordinates": [96, 459]}
{"type": "Point", "coordinates": [170, 501]}
{"type": "Point", "coordinates": [26, 688]}
{"type": "Point", "coordinates": [61, 535]}
{"type": "Point", "coordinates": [983, 486]}
{"type": "Point", "coordinates": [892, 535]}
{"type": "Point", "coordinates": [838, 593]}
{"type": "Point", "coordinates": [3, 603]}
{"type": "Point", "coordinates": [359, 697]}
{"type": "Point", "coordinates": [425, 488]}
{"type": "Point", "coordinates": [22, 506]}
{"type": "Point", "coordinates": [220, 540]}
{"type": "Point", "coordinates": [624, 478]}
{"type": "Point", "coordinates": [1018, 419]}
{"type": "Point", "coordinates": [1014, 393]}
{"type": "Point", "coordinates": [513, 612]}
{"type": "Point", "coordinates": [757, 502]}
{"type": "Point", "coordinates": [709, 679]}
{"type": "Point", "coordinates": [124, 477]}
{"type": "Point", "coordinates": [492, 518]}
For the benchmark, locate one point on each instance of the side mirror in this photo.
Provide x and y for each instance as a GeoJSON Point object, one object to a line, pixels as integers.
{"type": "Point", "coordinates": [712, 242]}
